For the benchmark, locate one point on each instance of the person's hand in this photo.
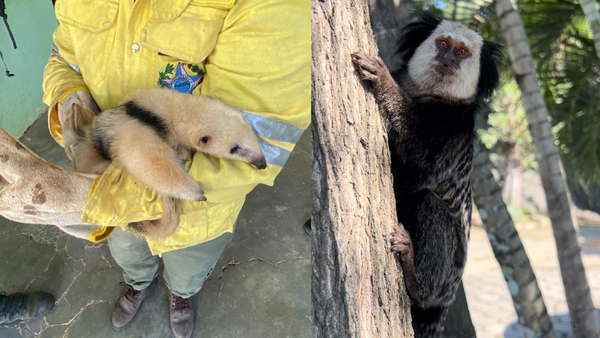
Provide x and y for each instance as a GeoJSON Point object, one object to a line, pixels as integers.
{"type": "Point", "coordinates": [76, 113]}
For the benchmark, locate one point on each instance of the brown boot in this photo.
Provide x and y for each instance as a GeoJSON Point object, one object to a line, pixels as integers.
{"type": "Point", "coordinates": [182, 316]}
{"type": "Point", "coordinates": [128, 305]}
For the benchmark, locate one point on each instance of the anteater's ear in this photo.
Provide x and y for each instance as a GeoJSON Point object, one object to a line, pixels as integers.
{"type": "Point", "coordinates": [491, 54]}
{"type": "Point", "coordinates": [203, 141]}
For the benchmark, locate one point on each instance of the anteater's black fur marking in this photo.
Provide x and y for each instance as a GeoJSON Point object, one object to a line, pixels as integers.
{"type": "Point", "coordinates": [102, 145]}
{"type": "Point", "coordinates": [147, 118]}
{"type": "Point", "coordinates": [102, 141]}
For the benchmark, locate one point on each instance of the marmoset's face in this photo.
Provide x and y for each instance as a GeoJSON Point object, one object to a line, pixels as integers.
{"type": "Point", "coordinates": [447, 63]}
{"type": "Point", "coordinates": [450, 54]}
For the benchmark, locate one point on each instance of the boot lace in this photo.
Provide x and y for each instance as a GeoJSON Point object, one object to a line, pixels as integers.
{"type": "Point", "coordinates": [180, 304]}
{"type": "Point", "coordinates": [130, 293]}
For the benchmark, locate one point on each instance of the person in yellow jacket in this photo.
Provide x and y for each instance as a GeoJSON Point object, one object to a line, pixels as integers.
{"type": "Point", "coordinates": [251, 54]}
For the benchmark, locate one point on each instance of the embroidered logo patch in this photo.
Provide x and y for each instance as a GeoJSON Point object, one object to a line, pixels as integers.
{"type": "Point", "coordinates": [182, 81]}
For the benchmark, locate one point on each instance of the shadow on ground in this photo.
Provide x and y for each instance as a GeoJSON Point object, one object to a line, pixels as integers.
{"type": "Point", "coordinates": [561, 324]}
{"type": "Point", "coordinates": [264, 292]}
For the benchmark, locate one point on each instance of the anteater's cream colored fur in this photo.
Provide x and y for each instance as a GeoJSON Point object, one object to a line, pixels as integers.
{"type": "Point", "coordinates": [151, 134]}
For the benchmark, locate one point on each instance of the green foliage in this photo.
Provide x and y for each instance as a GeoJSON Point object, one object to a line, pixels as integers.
{"type": "Point", "coordinates": [519, 215]}
{"type": "Point", "coordinates": [569, 72]}
{"type": "Point", "coordinates": [508, 125]}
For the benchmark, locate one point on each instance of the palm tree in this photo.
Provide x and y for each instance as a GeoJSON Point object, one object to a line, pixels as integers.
{"type": "Point", "coordinates": [562, 45]}
{"type": "Point", "coordinates": [508, 248]}
{"type": "Point", "coordinates": [579, 300]}
{"type": "Point", "coordinates": [590, 8]}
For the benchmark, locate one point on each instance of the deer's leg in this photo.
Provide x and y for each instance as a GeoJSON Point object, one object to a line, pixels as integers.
{"type": "Point", "coordinates": [35, 191]}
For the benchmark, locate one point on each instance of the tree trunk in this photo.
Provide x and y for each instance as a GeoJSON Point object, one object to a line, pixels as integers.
{"type": "Point", "coordinates": [508, 249]}
{"type": "Point", "coordinates": [590, 8]}
{"type": "Point", "coordinates": [512, 191]}
{"type": "Point", "coordinates": [579, 299]}
{"type": "Point", "coordinates": [357, 285]}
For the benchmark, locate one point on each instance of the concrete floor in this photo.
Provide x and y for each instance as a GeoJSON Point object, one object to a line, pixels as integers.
{"type": "Point", "coordinates": [262, 298]}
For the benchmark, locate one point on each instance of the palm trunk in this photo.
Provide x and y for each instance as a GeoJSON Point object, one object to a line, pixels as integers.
{"type": "Point", "coordinates": [508, 248]}
{"type": "Point", "coordinates": [579, 299]}
{"type": "Point", "coordinates": [590, 8]}
{"type": "Point", "coordinates": [357, 285]}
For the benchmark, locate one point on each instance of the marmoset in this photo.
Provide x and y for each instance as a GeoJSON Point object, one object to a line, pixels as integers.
{"type": "Point", "coordinates": [429, 105]}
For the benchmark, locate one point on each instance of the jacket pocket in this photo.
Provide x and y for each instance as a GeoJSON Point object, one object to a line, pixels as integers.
{"type": "Point", "coordinates": [92, 30]}
{"type": "Point", "coordinates": [190, 36]}
{"type": "Point", "coordinates": [91, 15]}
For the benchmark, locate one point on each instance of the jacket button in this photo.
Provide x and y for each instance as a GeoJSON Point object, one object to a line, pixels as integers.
{"type": "Point", "coordinates": [135, 48]}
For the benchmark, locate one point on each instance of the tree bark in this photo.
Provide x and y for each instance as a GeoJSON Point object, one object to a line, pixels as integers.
{"type": "Point", "coordinates": [508, 249]}
{"type": "Point", "coordinates": [357, 285]}
{"type": "Point", "coordinates": [590, 9]}
{"type": "Point", "coordinates": [579, 300]}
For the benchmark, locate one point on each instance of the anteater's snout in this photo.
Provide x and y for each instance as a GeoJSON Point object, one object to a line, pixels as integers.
{"type": "Point", "coordinates": [260, 163]}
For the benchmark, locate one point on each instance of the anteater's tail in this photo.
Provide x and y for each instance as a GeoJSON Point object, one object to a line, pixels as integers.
{"type": "Point", "coordinates": [428, 323]}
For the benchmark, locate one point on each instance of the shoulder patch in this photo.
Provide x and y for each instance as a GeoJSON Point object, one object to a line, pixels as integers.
{"type": "Point", "coordinates": [182, 81]}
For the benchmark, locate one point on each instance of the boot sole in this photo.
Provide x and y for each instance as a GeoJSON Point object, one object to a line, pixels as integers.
{"type": "Point", "coordinates": [136, 314]}
{"type": "Point", "coordinates": [193, 329]}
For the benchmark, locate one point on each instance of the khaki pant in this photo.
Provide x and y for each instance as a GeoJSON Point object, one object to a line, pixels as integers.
{"type": "Point", "coordinates": [185, 269]}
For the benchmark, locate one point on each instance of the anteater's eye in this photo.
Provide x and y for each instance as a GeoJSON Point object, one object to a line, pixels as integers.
{"type": "Point", "coordinates": [234, 149]}
{"type": "Point", "coordinates": [443, 44]}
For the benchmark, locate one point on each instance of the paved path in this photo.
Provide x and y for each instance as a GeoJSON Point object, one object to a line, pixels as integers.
{"type": "Point", "coordinates": [489, 301]}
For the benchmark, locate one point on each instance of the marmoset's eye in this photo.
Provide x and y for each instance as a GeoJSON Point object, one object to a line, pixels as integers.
{"type": "Point", "coordinates": [443, 44]}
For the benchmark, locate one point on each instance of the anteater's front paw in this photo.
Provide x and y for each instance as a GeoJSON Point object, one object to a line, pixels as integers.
{"type": "Point", "coordinates": [198, 196]}
{"type": "Point", "coordinates": [401, 242]}
{"type": "Point", "coordinates": [370, 68]}
{"type": "Point", "coordinates": [191, 191]}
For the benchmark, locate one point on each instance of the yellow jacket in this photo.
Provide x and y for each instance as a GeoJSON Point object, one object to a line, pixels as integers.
{"type": "Point", "coordinates": [251, 54]}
